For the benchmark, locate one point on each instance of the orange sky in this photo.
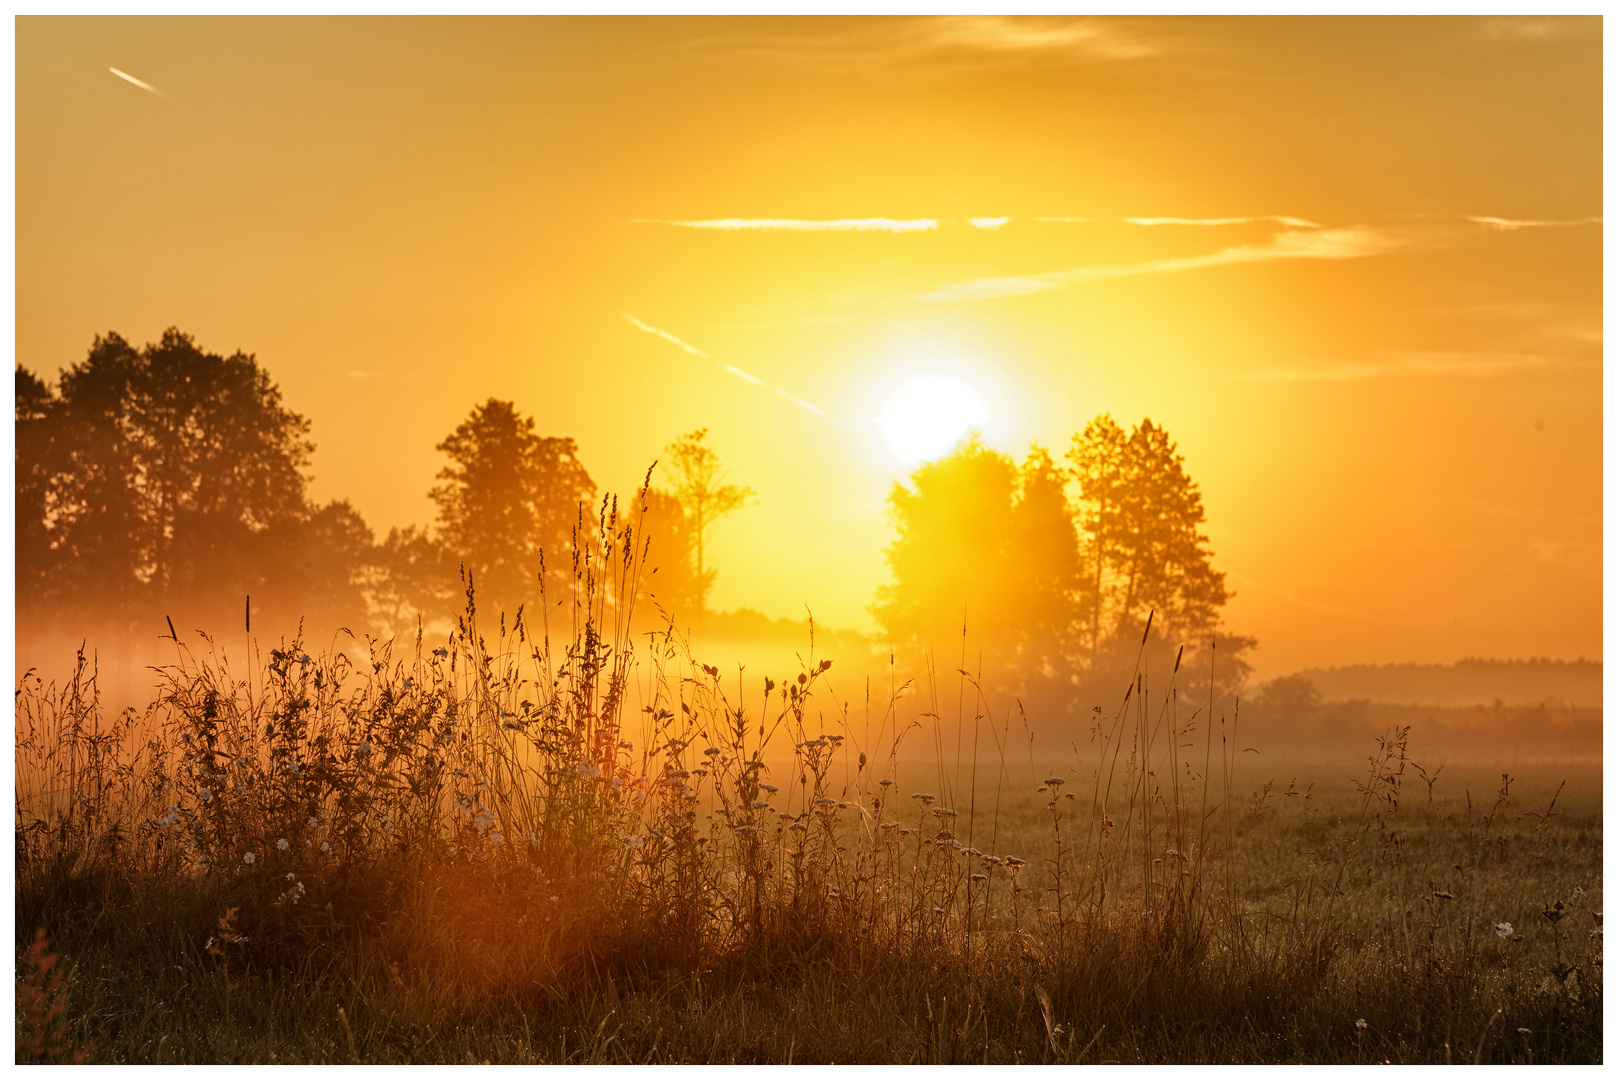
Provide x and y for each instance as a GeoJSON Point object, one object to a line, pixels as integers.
{"type": "Point", "coordinates": [1386, 376]}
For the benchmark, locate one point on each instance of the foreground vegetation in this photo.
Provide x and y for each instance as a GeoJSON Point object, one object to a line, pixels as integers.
{"type": "Point", "coordinates": [607, 852]}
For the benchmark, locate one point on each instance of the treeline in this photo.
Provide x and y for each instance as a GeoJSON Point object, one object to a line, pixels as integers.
{"type": "Point", "coordinates": [1289, 714]}
{"type": "Point", "coordinates": [167, 482]}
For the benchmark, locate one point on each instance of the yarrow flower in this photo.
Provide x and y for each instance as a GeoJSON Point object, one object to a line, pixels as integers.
{"type": "Point", "coordinates": [281, 844]}
{"type": "Point", "coordinates": [1361, 1024]}
{"type": "Point", "coordinates": [249, 858]}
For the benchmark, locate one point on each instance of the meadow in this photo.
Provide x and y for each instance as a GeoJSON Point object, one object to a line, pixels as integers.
{"type": "Point", "coordinates": [571, 844]}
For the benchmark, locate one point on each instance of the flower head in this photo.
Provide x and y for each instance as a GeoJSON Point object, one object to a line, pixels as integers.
{"type": "Point", "coordinates": [249, 858]}
{"type": "Point", "coordinates": [1503, 929]}
{"type": "Point", "coordinates": [281, 844]}
{"type": "Point", "coordinates": [1361, 1024]}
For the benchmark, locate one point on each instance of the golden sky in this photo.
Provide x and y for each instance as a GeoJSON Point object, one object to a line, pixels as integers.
{"type": "Point", "coordinates": [1353, 266]}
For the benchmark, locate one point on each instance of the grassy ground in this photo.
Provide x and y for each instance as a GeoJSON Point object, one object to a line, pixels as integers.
{"type": "Point", "coordinates": [513, 854]}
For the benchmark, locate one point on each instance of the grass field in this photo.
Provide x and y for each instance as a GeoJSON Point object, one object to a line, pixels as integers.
{"type": "Point", "coordinates": [509, 854]}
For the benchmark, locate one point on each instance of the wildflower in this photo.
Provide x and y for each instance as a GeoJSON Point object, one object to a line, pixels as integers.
{"type": "Point", "coordinates": [1503, 929]}
{"type": "Point", "coordinates": [555, 899]}
{"type": "Point", "coordinates": [759, 804]}
{"type": "Point", "coordinates": [971, 851]}
{"type": "Point", "coordinates": [834, 894]}
{"type": "Point", "coordinates": [634, 841]}
{"type": "Point", "coordinates": [1014, 862]}
{"type": "Point", "coordinates": [712, 751]}
{"type": "Point", "coordinates": [1055, 781]}
{"type": "Point", "coordinates": [945, 834]}
{"type": "Point", "coordinates": [938, 911]}
{"type": "Point", "coordinates": [993, 859]}
{"type": "Point", "coordinates": [1443, 895]}
{"type": "Point", "coordinates": [925, 798]}
{"type": "Point", "coordinates": [584, 768]}
{"type": "Point", "coordinates": [313, 821]}
{"type": "Point", "coordinates": [440, 652]}
{"type": "Point", "coordinates": [325, 846]}
{"type": "Point", "coordinates": [799, 826]}
{"type": "Point", "coordinates": [681, 773]}
{"type": "Point", "coordinates": [1173, 854]}
{"type": "Point", "coordinates": [281, 844]}
{"type": "Point", "coordinates": [498, 838]}
{"type": "Point", "coordinates": [1524, 1031]}
{"type": "Point", "coordinates": [823, 801]}
{"type": "Point", "coordinates": [885, 782]}
{"type": "Point", "coordinates": [890, 825]}
{"type": "Point", "coordinates": [249, 858]}
{"type": "Point", "coordinates": [980, 877]}
{"type": "Point", "coordinates": [1361, 1024]}
{"type": "Point", "coordinates": [784, 817]}
{"type": "Point", "coordinates": [904, 832]}
{"type": "Point", "coordinates": [771, 788]}
{"type": "Point", "coordinates": [1106, 823]}
{"type": "Point", "coordinates": [939, 811]}
{"type": "Point", "coordinates": [291, 876]}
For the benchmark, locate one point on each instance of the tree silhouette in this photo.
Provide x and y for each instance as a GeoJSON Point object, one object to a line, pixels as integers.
{"type": "Point", "coordinates": [1055, 570]}
{"type": "Point", "coordinates": [979, 539]}
{"type": "Point", "coordinates": [671, 555]}
{"type": "Point", "coordinates": [1143, 551]}
{"type": "Point", "coordinates": [698, 485]}
{"type": "Point", "coordinates": [156, 477]}
{"type": "Point", "coordinates": [507, 496]}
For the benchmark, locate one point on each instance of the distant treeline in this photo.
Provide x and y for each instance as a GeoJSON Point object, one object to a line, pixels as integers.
{"type": "Point", "coordinates": [1546, 731]}
{"type": "Point", "coordinates": [1467, 682]}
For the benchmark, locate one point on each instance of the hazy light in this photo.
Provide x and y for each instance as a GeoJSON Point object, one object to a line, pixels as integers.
{"type": "Point", "coordinates": [988, 222]}
{"type": "Point", "coordinates": [929, 415]}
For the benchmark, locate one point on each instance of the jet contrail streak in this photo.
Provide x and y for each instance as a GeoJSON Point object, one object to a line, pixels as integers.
{"type": "Point", "coordinates": [733, 369]}
{"type": "Point", "coordinates": [124, 75]}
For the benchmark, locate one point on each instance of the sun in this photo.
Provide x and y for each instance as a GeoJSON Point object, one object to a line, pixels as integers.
{"type": "Point", "coordinates": [929, 415]}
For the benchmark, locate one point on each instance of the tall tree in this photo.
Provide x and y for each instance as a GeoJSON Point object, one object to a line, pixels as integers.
{"type": "Point", "coordinates": [159, 474]}
{"type": "Point", "coordinates": [699, 486]}
{"type": "Point", "coordinates": [977, 538]}
{"type": "Point", "coordinates": [1144, 551]}
{"type": "Point", "coordinates": [508, 499]}
{"type": "Point", "coordinates": [671, 554]}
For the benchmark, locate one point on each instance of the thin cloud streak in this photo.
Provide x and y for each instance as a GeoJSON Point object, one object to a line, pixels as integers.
{"type": "Point", "coordinates": [1415, 365]}
{"type": "Point", "coordinates": [890, 225]}
{"type": "Point", "coordinates": [1291, 222]}
{"type": "Point", "coordinates": [945, 39]}
{"type": "Point", "coordinates": [990, 223]}
{"type": "Point", "coordinates": [124, 75]}
{"type": "Point", "coordinates": [1512, 225]}
{"type": "Point", "coordinates": [1326, 244]}
{"type": "Point", "coordinates": [733, 369]}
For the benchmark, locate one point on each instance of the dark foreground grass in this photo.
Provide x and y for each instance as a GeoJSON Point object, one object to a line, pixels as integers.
{"type": "Point", "coordinates": [511, 854]}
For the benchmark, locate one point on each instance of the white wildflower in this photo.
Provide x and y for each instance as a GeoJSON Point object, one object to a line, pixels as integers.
{"type": "Point", "coordinates": [281, 844]}
{"type": "Point", "coordinates": [249, 858]}
{"type": "Point", "coordinates": [1503, 929]}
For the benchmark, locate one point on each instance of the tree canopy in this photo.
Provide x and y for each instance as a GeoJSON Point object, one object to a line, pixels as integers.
{"type": "Point", "coordinates": [1055, 568]}
{"type": "Point", "coordinates": [158, 476]}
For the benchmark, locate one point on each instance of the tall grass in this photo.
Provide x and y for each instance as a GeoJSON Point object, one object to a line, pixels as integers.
{"type": "Point", "coordinates": [573, 843]}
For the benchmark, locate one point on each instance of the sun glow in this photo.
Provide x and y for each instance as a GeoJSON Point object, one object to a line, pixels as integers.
{"type": "Point", "coordinates": [929, 415]}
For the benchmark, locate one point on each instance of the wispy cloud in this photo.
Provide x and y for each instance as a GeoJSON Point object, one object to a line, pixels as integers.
{"type": "Point", "coordinates": [946, 38]}
{"type": "Point", "coordinates": [1351, 243]}
{"type": "Point", "coordinates": [1416, 365]}
{"type": "Point", "coordinates": [1064, 220]}
{"type": "Point", "coordinates": [891, 225]}
{"type": "Point", "coordinates": [1290, 222]}
{"type": "Point", "coordinates": [1512, 225]}
{"type": "Point", "coordinates": [732, 368]}
{"type": "Point", "coordinates": [990, 223]}
{"type": "Point", "coordinates": [128, 78]}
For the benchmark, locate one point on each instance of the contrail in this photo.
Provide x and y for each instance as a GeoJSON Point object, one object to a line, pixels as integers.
{"type": "Point", "coordinates": [124, 75]}
{"type": "Point", "coordinates": [733, 369]}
